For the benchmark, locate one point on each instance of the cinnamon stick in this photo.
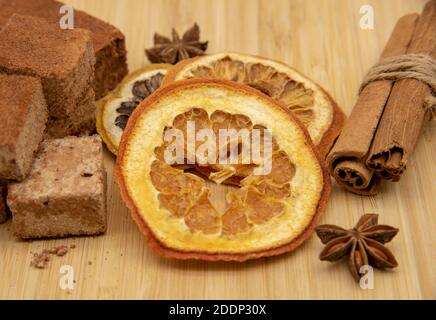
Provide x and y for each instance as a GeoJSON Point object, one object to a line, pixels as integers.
{"type": "Point", "coordinates": [347, 159]}
{"type": "Point", "coordinates": [404, 114]}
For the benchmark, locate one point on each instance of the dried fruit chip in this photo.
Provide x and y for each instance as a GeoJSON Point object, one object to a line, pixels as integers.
{"type": "Point", "coordinates": [114, 110]}
{"type": "Point", "coordinates": [312, 105]}
{"type": "Point", "coordinates": [176, 209]}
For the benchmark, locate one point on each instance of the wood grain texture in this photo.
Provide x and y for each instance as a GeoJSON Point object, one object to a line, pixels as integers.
{"type": "Point", "coordinates": [324, 41]}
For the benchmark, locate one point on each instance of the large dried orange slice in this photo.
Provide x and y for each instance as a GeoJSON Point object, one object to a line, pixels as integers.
{"type": "Point", "coordinates": [186, 215]}
{"type": "Point", "coordinates": [311, 104]}
{"type": "Point", "coordinates": [114, 110]}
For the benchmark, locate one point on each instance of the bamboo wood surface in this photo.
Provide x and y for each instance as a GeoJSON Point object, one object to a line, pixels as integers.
{"type": "Point", "coordinates": [323, 40]}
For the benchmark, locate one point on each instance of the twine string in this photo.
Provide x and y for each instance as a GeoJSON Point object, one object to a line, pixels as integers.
{"type": "Point", "coordinates": [421, 67]}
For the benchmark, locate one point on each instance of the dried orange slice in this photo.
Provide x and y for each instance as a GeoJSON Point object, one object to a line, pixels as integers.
{"type": "Point", "coordinates": [311, 104]}
{"type": "Point", "coordinates": [114, 110]}
{"type": "Point", "coordinates": [179, 210]}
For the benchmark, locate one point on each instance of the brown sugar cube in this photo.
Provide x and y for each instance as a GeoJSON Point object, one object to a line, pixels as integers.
{"type": "Point", "coordinates": [62, 59]}
{"type": "Point", "coordinates": [80, 122]}
{"type": "Point", "coordinates": [108, 41]}
{"type": "Point", "coordinates": [23, 119]}
{"type": "Point", "coordinates": [65, 193]}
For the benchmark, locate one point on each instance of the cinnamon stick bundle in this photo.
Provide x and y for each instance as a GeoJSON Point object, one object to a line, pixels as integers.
{"type": "Point", "coordinates": [385, 123]}
{"type": "Point", "coordinates": [404, 115]}
{"type": "Point", "coordinates": [347, 159]}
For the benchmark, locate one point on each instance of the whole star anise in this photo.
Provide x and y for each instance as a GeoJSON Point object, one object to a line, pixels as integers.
{"type": "Point", "coordinates": [364, 244]}
{"type": "Point", "coordinates": [173, 50]}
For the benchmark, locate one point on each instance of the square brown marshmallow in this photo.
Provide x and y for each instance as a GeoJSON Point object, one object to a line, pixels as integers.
{"type": "Point", "coordinates": [62, 59]}
{"type": "Point", "coordinates": [80, 122]}
{"type": "Point", "coordinates": [23, 120]}
{"type": "Point", "coordinates": [65, 193]}
{"type": "Point", "coordinates": [108, 41]}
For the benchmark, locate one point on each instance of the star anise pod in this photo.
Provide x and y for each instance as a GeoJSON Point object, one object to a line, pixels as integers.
{"type": "Point", "coordinates": [173, 50]}
{"type": "Point", "coordinates": [363, 244]}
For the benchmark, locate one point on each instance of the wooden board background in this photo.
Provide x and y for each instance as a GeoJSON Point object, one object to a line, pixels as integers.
{"type": "Point", "coordinates": [322, 39]}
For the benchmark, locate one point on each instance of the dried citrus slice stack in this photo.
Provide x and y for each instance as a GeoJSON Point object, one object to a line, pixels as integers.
{"type": "Point", "coordinates": [114, 110]}
{"type": "Point", "coordinates": [311, 104]}
{"type": "Point", "coordinates": [264, 213]}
